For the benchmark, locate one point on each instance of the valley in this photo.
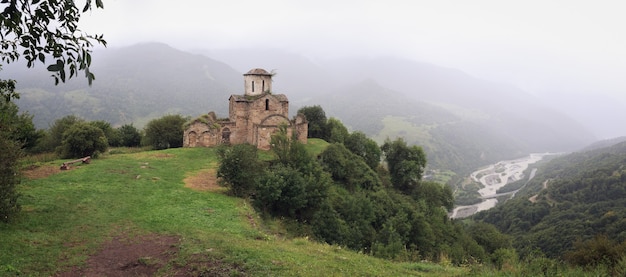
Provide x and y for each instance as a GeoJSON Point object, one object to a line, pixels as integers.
{"type": "Point", "coordinates": [494, 177]}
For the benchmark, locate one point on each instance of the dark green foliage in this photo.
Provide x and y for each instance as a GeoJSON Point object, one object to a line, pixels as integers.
{"type": "Point", "coordinates": [295, 186]}
{"type": "Point", "coordinates": [281, 192]}
{"type": "Point", "coordinates": [39, 30]}
{"type": "Point", "coordinates": [435, 194]}
{"type": "Point", "coordinates": [489, 237]}
{"type": "Point", "coordinates": [129, 136]}
{"type": "Point", "coordinates": [10, 152]}
{"type": "Point", "coordinates": [19, 127]}
{"type": "Point", "coordinates": [359, 144]}
{"type": "Point", "coordinates": [112, 135]}
{"type": "Point", "coordinates": [406, 164]}
{"type": "Point", "coordinates": [7, 90]}
{"type": "Point", "coordinates": [83, 139]}
{"type": "Point", "coordinates": [287, 192]}
{"type": "Point", "coordinates": [341, 200]}
{"type": "Point", "coordinates": [288, 150]}
{"type": "Point", "coordinates": [316, 117]}
{"type": "Point", "coordinates": [9, 177]}
{"type": "Point", "coordinates": [54, 137]}
{"type": "Point", "coordinates": [165, 132]}
{"type": "Point", "coordinates": [597, 251]}
{"type": "Point", "coordinates": [239, 169]}
{"type": "Point", "coordinates": [585, 196]}
{"type": "Point", "coordinates": [348, 168]}
{"type": "Point", "coordinates": [337, 132]}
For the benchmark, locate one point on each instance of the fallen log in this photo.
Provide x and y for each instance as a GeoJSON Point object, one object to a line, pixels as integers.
{"type": "Point", "coordinates": [66, 165]}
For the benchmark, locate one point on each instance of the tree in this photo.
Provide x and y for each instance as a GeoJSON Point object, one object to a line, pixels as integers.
{"type": "Point", "coordinates": [316, 117]}
{"type": "Point", "coordinates": [53, 139]}
{"type": "Point", "coordinates": [9, 177]}
{"type": "Point", "coordinates": [289, 151]}
{"type": "Point", "coordinates": [9, 155]}
{"type": "Point", "coordinates": [22, 129]}
{"type": "Point", "coordinates": [239, 168]}
{"type": "Point", "coordinates": [406, 164]}
{"type": "Point", "coordinates": [347, 168]}
{"type": "Point", "coordinates": [337, 132]}
{"type": "Point", "coordinates": [83, 139]}
{"type": "Point", "coordinates": [129, 136]}
{"type": "Point", "coordinates": [359, 144]}
{"type": "Point", "coordinates": [165, 132]}
{"type": "Point", "coordinates": [112, 135]}
{"type": "Point", "coordinates": [38, 30]}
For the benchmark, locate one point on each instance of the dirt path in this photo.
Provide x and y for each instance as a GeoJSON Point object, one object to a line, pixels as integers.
{"type": "Point", "coordinates": [204, 180]}
{"type": "Point", "coordinates": [123, 256]}
{"type": "Point", "coordinates": [533, 198]}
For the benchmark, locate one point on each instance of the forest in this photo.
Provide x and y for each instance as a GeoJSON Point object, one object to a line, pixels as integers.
{"type": "Point", "coordinates": [578, 202]}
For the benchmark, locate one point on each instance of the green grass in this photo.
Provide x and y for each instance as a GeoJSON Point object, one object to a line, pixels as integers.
{"type": "Point", "coordinates": [66, 217]}
{"type": "Point", "coordinates": [316, 146]}
{"type": "Point", "coordinates": [396, 126]}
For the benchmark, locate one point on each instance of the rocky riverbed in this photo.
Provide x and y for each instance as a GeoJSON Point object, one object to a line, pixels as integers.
{"type": "Point", "coordinates": [494, 177]}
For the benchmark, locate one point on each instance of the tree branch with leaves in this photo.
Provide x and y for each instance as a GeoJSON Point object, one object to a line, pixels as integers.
{"type": "Point", "coordinates": [38, 30]}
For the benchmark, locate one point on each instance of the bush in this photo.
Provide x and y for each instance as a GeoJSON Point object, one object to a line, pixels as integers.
{"type": "Point", "coordinates": [129, 136]}
{"type": "Point", "coordinates": [597, 251]}
{"type": "Point", "coordinates": [239, 168]}
{"type": "Point", "coordinates": [165, 132]}
{"type": "Point", "coordinates": [83, 139]}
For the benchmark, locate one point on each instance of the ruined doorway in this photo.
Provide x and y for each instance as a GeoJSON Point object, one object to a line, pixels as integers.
{"type": "Point", "coordinates": [226, 136]}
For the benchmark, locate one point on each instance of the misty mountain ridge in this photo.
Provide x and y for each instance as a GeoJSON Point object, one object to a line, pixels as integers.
{"type": "Point", "coordinates": [457, 118]}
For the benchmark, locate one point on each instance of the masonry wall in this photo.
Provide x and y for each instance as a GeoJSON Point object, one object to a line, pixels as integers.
{"type": "Point", "coordinates": [252, 119]}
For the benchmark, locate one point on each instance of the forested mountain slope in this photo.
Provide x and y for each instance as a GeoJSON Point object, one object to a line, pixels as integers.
{"type": "Point", "coordinates": [577, 196]}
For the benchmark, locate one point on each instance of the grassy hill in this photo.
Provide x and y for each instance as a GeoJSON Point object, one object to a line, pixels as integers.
{"type": "Point", "coordinates": [160, 213]}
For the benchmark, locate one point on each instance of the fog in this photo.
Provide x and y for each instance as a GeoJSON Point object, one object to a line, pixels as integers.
{"type": "Point", "coordinates": [570, 53]}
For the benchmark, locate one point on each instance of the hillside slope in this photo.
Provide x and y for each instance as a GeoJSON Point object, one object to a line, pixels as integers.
{"type": "Point", "coordinates": [158, 213]}
{"type": "Point", "coordinates": [577, 196]}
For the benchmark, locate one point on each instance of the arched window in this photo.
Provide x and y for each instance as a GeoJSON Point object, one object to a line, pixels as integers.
{"type": "Point", "coordinates": [267, 104]}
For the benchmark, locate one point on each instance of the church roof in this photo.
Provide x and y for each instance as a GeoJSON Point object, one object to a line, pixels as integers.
{"type": "Point", "coordinates": [258, 71]}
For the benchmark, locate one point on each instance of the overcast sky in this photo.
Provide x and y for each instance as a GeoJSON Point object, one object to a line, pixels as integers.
{"type": "Point", "coordinates": [551, 48]}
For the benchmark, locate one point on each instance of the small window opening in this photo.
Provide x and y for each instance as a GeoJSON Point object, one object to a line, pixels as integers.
{"type": "Point", "coordinates": [267, 104]}
{"type": "Point", "coordinates": [263, 86]}
{"type": "Point", "coordinates": [252, 86]}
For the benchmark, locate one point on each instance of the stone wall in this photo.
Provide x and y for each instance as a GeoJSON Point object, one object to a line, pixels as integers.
{"type": "Point", "coordinates": [252, 117]}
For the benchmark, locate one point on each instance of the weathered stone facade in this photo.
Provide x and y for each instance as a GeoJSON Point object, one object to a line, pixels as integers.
{"type": "Point", "coordinates": [252, 117]}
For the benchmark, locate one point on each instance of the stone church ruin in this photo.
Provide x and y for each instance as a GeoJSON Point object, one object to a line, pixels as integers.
{"type": "Point", "coordinates": [252, 117]}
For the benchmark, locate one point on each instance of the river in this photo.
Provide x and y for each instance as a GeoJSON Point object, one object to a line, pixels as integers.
{"type": "Point", "coordinates": [494, 177]}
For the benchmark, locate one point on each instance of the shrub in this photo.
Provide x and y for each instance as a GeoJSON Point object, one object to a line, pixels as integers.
{"type": "Point", "coordinates": [83, 139]}
{"type": "Point", "coordinates": [165, 132]}
{"type": "Point", "coordinates": [239, 168]}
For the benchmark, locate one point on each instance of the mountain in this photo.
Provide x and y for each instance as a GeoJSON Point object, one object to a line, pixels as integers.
{"type": "Point", "coordinates": [133, 85]}
{"type": "Point", "coordinates": [462, 122]}
{"type": "Point", "coordinates": [449, 141]}
{"type": "Point", "coordinates": [577, 196]}
{"type": "Point", "coordinates": [503, 108]}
